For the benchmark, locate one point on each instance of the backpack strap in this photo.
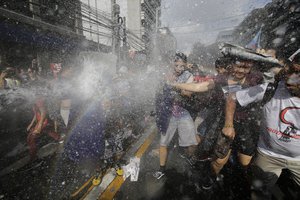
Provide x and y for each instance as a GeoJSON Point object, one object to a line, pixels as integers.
{"type": "Point", "coordinates": [272, 87]}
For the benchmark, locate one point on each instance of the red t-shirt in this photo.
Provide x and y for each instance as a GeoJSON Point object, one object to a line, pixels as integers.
{"type": "Point", "coordinates": [39, 103]}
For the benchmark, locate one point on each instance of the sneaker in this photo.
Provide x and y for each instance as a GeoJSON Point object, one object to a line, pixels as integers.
{"type": "Point", "coordinates": [158, 174]}
{"type": "Point", "coordinates": [62, 139]}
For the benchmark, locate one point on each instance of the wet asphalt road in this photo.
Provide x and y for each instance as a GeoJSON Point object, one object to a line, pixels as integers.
{"type": "Point", "coordinates": [33, 182]}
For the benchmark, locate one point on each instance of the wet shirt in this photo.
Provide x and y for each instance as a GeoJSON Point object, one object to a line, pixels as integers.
{"type": "Point", "coordinates": [39, 103]}
{"type": "Point", "coordinates": [280, 125]}
{"type": "Point", "coordinates": [252, 79]}
{"type": "Point", "coordinates": [177, 109]}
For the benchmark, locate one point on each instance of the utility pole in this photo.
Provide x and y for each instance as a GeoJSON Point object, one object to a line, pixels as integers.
{"type": "Point", "coordinates": [35, 9]}
{"type": "Point", "coordinates": [90, 20]}
{"type": "Point", "coordinates": [115, 11]}
{"type": "Point", "coordinates": [124, 39]}
{"type": "Point", "coordinates": [113, 40]}
{"type": "Point", "coordinates": [97, 18]}
{"type": "Point", "coordinates": [155, 43]}
{"type": "Point", "coordinates": [157, 11]}
{"type": "Point", "coordinates": [124, 32]}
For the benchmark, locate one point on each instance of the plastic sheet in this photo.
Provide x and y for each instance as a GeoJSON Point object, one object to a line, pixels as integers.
{"type": "Point", "coordinates": [132, 169]}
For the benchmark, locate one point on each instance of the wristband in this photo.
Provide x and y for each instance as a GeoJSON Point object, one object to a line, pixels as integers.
{"type": "Point", "coordinates": [228, 126]}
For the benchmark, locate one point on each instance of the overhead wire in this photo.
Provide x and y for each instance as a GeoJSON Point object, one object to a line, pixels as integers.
{"type": "Point", "coordinates": [149, 8]}
{"type": "Point", "coordinates": [132, 39]}
{"type": "Point", "coordinates": [96, 12]}
{"type": "Point", "coordinates": [203, 31]}
{"type": "Point", "coordinates": [92, 17]}
{"type": "Point", "coordinates": [207, 22]}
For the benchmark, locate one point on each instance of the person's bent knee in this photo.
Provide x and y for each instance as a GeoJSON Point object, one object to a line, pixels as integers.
{"type": "Point", "coordinates": [220, 162]}
{"type": "Point", "coordinates": [244, 159]}
{"type": "Point", "coordinates": [164, 143]}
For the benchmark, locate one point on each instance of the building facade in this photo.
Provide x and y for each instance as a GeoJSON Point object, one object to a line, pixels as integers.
{"type": "Point", "coordinates": [49, 30]}
{"type": "Point", "coordinates": [142, 20]}
{"type": "Point", "coordinates": [97, 20]}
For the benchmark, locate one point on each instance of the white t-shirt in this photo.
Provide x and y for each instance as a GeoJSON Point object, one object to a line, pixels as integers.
{"type": "Point", "coordinates": [280, 125]}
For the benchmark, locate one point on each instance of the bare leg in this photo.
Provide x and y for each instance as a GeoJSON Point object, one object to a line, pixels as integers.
{"type": "Point", "coordinates": [163, 153]}
{"type": "Point", "coordinates": [244, 159]}
{"type": "Point", "coordinates": [199, 139]}
{"type": "Point", "coordinates": [31, 141]}
{"type": "Point", "coordinates": [219, 163]}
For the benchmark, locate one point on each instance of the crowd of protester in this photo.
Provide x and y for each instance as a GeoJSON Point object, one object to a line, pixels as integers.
{"type": "Point", "coordinates": [86, 127]}
{"type": "Point", "coordinates": [248, 113]}
{"type": "Point", "coordinates": [50, 107]}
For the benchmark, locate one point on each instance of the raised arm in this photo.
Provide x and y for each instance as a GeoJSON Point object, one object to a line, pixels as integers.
{"type": "Point", "coordinates": [195, 87]}
{"type": "Point", "coordinates": [185, 92]}
{"type": "Point", "coordinates": [31, 123]}
{"type": "Point", "coordinates": [43, 111]}
{"type": "Point", "coordinates": [230, 107]}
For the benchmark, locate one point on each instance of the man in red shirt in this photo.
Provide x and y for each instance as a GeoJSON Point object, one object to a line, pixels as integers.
{"type": "Point", "coordinates": [39, 125]}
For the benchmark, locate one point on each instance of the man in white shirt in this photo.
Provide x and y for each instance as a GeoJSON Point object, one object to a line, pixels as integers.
{"type": "Point", "coordinates": [279, 140]}
{"type": "Point", "coordinates": [180, 118]}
